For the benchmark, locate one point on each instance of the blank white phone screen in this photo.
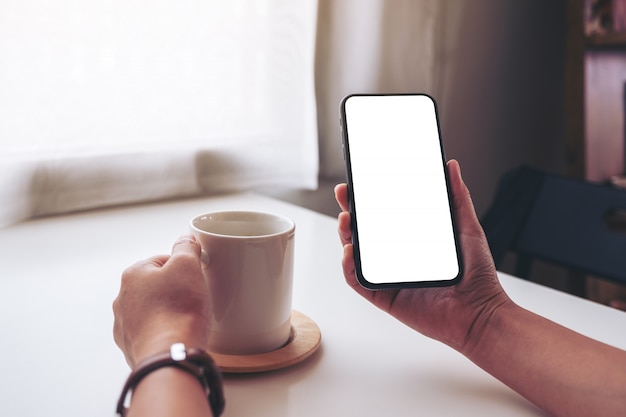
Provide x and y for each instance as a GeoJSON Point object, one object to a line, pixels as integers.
{"type": "Point", "coordinates": [400, 197]}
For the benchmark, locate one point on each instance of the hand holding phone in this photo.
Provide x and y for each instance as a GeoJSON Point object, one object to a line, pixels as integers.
{"type": "Point", "coordinates": [403, 227]}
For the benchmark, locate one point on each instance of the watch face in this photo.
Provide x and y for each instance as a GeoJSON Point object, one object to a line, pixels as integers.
{"type": "Point", "coordinates": [178, 351]}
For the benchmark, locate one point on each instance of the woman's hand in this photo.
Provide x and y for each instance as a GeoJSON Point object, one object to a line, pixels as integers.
{"type": "Point", "coordinates": [162, 300]}
{"type": "Point", "coordinates": [455, 315]}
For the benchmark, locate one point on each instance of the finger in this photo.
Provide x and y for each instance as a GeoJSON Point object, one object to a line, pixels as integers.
{"type": "Point", "coordinates": [349, 273]}
{"type": "Point", "coordinates": [140, 267]}
{"type": "Point", "coordinates": [158, 260]}
{"type": "Point", "coordinates": [343, 227]}
{"type": "Point", "coordinates": [341, 195]}
{"type": "Point", "coordinates": [464, 207]}
{"type": "Point", "coordinates": [347, 264]}
{"type": "Point", "coordinates": [186, 244]}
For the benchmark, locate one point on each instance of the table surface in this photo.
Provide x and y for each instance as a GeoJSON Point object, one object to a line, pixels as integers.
{"type": "Point", "coordinates": [59, 276]}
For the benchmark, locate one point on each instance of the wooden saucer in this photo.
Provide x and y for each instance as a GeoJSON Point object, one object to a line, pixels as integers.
{"type": "Point", "coordinates": [304, 340]}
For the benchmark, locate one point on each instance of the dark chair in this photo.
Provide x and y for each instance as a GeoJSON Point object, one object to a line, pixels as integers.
{"type": "Point", "coordinates": [571, 223]}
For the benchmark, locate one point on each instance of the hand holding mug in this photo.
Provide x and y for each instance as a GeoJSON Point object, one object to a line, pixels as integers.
{"type": "Point", "coordinates": [162, 300]}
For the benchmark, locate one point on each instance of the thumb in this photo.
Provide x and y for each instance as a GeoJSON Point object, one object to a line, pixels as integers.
{"type": "Point", "coordinates": [186, 244]}
{"type": "Point", "coordinates": [463, 206]}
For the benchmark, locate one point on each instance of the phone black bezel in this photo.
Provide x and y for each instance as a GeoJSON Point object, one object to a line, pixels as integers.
{"type": "Point", "coordinates": [354, 218]}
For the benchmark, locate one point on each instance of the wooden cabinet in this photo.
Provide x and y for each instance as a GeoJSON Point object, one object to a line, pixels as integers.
{"type": "Point", "coordinates": [595, 97]}
{"type": "Point", "coordinates": [595, 77]}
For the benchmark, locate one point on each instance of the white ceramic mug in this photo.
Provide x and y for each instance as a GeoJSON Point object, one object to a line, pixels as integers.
{"type": "Point", "coordinates": [248, 261]}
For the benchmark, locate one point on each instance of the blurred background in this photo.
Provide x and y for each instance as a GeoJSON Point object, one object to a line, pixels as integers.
{"type": "Point", "coordinates": [121, 102]}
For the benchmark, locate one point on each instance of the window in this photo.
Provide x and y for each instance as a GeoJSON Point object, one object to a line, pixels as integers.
{"type": "Point", "coordinates": [118, 101]}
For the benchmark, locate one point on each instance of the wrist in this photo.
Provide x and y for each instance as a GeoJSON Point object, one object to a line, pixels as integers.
{"type": "Point", "coordinates": [193, 361]}
{"type": "Point", "coordinates": [160, 340]}
{"type": "Point", "coordinates": [487, 329]}
{"type": "Point", "coordinates": [161, 344]}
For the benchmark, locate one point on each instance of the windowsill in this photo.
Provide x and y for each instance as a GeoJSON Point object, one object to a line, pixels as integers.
{"type": "Point", "coordinates": [321, 200]}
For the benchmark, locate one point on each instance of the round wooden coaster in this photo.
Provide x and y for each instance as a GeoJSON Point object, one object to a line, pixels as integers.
{"type": "Point", "coordinates": [304, 340]}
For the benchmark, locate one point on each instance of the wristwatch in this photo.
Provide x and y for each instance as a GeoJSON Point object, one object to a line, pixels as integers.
{"type": "Point", "coordinates": [195, 361]}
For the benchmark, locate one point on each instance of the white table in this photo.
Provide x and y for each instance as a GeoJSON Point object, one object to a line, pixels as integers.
{"type": "Point", "coordinates": [58, 277]}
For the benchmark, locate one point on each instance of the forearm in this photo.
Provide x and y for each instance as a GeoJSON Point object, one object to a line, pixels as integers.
{"type": "Point", "coordinates": [169, 392]}
{"type": "Point", "coordinates": [559, 370]}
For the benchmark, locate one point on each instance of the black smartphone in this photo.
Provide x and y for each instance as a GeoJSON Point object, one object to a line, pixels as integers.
{"type": "Point", "coordinates": [403, 227]}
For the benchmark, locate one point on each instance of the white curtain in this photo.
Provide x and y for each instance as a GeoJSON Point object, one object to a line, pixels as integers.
{"type": "Point", "coordinates": [118, 101]}
{"type": "Point", "coordinates": [377, 46]}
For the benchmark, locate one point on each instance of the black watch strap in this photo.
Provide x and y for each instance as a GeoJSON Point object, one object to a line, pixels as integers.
{"type": "Point", "coordinates": [195, 361]}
